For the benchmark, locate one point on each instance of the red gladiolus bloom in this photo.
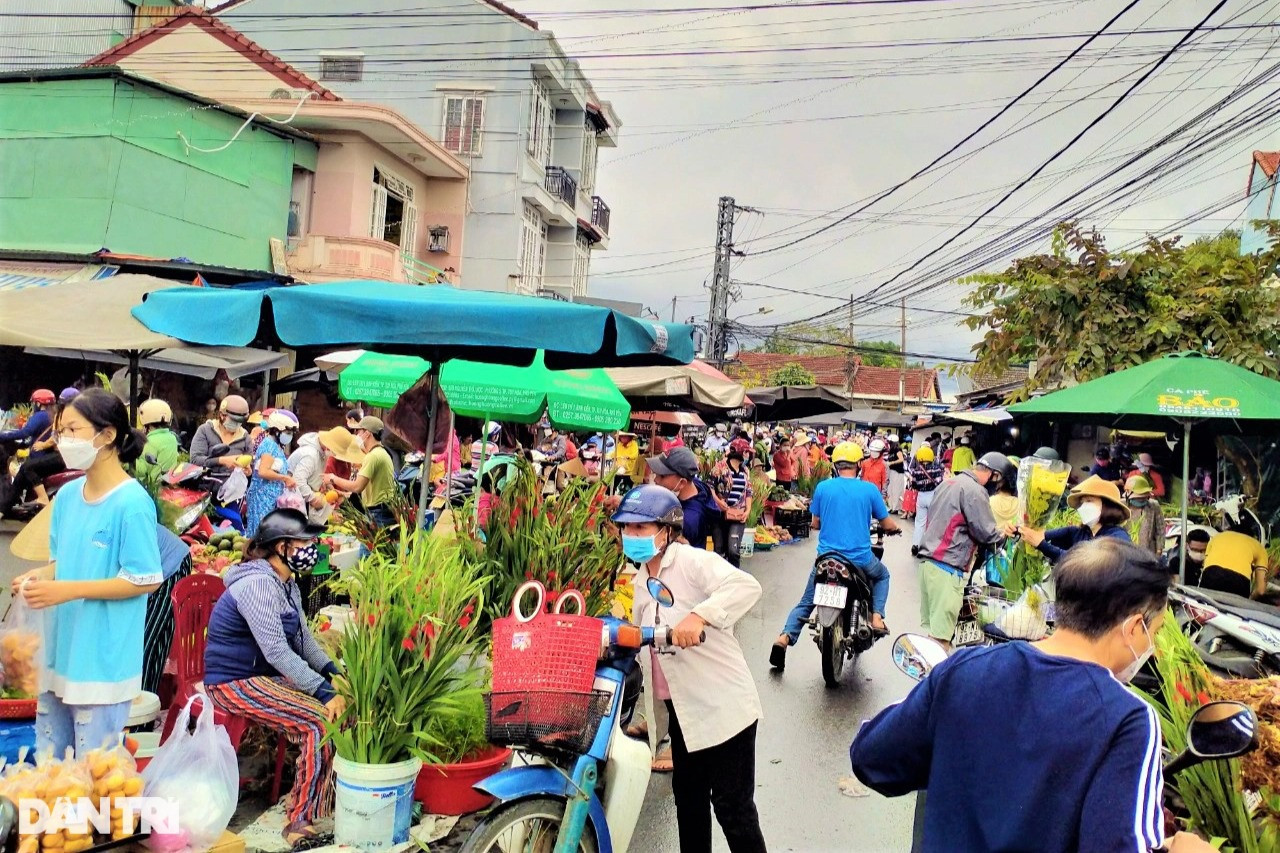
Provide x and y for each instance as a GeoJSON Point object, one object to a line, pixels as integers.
{"type": "Point", "coordinates": [371, 620]}
{"type": "Point", "coordinates": [1184, 692]}
{"type": "Point", "coordinates": [326, 626]}
{"type": "Point", "coordinates": [408, 644]}
{"type": "Point", "coordinates": [1204, 698]}
{"type": "Point", "coordinates": [464, 620]}
{"type": "Point", "coordinates": [469, 609]}
{"type": "Point", "coordinates": [570, 585]}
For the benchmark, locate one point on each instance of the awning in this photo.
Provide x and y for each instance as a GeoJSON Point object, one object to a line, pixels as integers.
{"type": "Point", "coordinates": [697, 385]}
{"type": "Point", "coordinates": [684, 419]}
{"type": "Point", "coordinates": [981, 417]}
{"type": "Point", "coordinates": [789, 402]}
{"type": "Point", "coordinates": [877, 417]}
{"type": "Point", "coordinates": [93, 314]}
{"type": "Point", "coordinates": [202, 362]}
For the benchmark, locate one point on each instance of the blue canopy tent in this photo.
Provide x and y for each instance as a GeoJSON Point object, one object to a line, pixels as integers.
{"type": "Point", "coordinates": [437, 322]}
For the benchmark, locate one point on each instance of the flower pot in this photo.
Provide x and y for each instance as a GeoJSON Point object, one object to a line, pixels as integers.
{"type": "Point", "coordinates": [447, 788]}
{"type": "Point", "coordinates": [374, 803]}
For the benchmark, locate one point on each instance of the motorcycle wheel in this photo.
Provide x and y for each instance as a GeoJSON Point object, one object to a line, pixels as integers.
{"type": "Point", "coordinates": [529, 826]}
{"type": "Point", "coordinates": [831, 642]}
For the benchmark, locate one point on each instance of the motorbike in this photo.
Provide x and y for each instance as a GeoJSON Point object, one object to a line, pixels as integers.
{"type": "Point", "coordinates": [12, 458]}
{"type": "Point", "coordinates": [1235, 636]}
{"type": "Point", "coordinates": [841, 620]}
{"type": "Point", "coordinates": [1217, 731]}
{"type": "Point", "coordinates": [190, 491]}
{"type": "Point", "coordinates": [1234, 514]}
{"type": "Point", "coordinates": [588, 801]}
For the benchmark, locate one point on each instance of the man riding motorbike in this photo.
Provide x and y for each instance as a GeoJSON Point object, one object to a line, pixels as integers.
{"type": "Point", "coordinates": [1082, 769]}
{"type": "Point", "coordinates": [43, 459]}
{"type": "Point", "coordinates": [843, 508]}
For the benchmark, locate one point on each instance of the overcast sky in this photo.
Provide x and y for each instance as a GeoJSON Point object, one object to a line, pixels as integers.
{"type": "Point", "coordinates": [800, 112]}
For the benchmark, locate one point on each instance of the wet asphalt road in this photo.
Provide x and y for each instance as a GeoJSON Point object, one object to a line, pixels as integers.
{"type": "Point", "coordinates": [802, 750]}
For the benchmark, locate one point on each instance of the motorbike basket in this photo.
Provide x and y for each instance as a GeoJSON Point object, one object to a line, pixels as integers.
{"type": "Point", "coordinates": [545, 720]}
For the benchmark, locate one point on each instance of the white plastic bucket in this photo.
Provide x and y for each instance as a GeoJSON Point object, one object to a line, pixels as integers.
{"type": "Point", "coordinates": [374, 803]}
{"type": "Point", "coordinates": [747, 546]}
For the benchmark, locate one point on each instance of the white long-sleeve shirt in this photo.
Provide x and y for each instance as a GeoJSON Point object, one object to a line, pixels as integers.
{"type": "Point", "coordinates": [711, 687]}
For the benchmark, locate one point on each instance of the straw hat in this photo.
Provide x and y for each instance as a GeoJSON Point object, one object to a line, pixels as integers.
{"type": "Point", "coordinates": [342, 444]}
{"type": "Point", "coordinates": [800, 439]}
{"type": "Point", "coordinates": [1097, 487]}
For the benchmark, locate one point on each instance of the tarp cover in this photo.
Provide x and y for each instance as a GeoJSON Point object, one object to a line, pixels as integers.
{"type": "Point", "coordinates": [202, 362]}
{"type": "Point", "coordinates": [93, 315]}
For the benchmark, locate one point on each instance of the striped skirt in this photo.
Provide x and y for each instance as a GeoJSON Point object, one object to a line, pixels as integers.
{"type": "Point", "coordinates": [157, 636]}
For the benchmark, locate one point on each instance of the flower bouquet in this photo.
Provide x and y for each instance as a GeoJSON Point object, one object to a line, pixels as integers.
{"type": "Point", "coordinates": [1041, 485]}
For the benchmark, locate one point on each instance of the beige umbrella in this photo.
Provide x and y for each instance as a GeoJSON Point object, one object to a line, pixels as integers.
{"type": "Point", "coordinates": [90, 315]}
{"type": "Point", "coordinates": [696, 385]}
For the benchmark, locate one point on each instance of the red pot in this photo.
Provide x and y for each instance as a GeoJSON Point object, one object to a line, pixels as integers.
{"type": "Point", "coordinates": [447, 788]}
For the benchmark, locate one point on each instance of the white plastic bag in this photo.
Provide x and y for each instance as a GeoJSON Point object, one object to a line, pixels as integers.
{"type": "Point", "coordinates": [234, 488]}
{"type": "Point", "coordinates": [1024, 620]}
{"type": "Point", "coordinates": [198, 771]}
{"type": "Point", "coordinates": [21, 649]}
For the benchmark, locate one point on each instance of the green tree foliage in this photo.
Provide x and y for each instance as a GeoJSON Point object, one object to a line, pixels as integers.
{"type": "Point", "coordinates": [792, 373]}
{"type": "Point", "coordinates": [807, 339]}
{"type": "Point", "coordinates": [1083, 311]}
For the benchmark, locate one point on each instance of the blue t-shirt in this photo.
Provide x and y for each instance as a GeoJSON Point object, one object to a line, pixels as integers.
{"type": "Point", "coordinates": [93, 647]}
{"type": "Point", "coordinates": [1021, 750]}
{"type": "Point", "coordinates": [845, 506]}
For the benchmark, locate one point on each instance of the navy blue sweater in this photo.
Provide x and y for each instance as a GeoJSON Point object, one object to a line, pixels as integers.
{"type": "Point", "coordinates": [1020, 751]}
{"type": "Point", "coordinates": [1059, 540]}
{"type": "Point", "coordinates": [257, 629]}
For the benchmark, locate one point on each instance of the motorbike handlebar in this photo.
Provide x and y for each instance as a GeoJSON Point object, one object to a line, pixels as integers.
{"type": "Point", "coordinates": [660, 636]}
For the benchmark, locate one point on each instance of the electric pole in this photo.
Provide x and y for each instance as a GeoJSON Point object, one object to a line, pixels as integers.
{"type": "Point", "coordinates": [851, 363]}
{"type": "Point", "coordinates": [718, 312]}
{"type": "Point", "coordinates": [902, 363]}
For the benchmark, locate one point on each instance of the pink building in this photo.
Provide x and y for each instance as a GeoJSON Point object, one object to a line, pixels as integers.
{"type": "Point", "coordinates": [384, 200]}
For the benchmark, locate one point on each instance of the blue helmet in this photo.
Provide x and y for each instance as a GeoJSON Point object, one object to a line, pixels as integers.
{"type": "Point", "coordinates": [650, 503]}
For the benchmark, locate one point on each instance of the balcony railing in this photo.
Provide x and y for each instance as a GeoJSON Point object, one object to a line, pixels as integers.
{"type": "Point", "coordinates": [600, 214]}
{"type": "Point", "coordinates": [418, 272]}
{"type": "Point", "coordinates": [562, 185]}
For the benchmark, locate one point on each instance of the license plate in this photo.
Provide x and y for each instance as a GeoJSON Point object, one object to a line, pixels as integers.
{"type": "Point", "coordinates": [968, 633]}
{"type": "Point", "coordinates": [830, 595]}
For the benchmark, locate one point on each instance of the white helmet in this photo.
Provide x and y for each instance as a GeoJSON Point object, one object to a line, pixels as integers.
{"type": "Point", "coordinates": [492, 429]}
{"type": "Point", "coordinates": [877, 446]}
{"type": "Point", "coordinates": [153, 412]}
{"type": "Point", "coordinates": [282, 419]}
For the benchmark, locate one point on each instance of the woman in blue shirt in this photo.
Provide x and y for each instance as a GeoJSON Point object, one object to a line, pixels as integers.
{"type": "Point", "coordinates": [105, 562]}
{"type": "Point", "coordinates": [270, 468]}
{"type": "Point", "coordinates": [1103, 513]}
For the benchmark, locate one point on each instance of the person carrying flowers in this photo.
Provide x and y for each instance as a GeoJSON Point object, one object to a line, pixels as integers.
{"type": "Point", "coordinates": [1103, 513]}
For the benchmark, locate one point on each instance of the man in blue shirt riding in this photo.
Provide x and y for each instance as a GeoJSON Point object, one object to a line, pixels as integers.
{"type": "Point", "coordinates": [1069, 758]}
{"type": "Point", "coordinates": [843, 508]}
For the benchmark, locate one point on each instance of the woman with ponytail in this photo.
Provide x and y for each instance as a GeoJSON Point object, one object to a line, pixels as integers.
{"type": "Point", "coordinates": [94, 593]}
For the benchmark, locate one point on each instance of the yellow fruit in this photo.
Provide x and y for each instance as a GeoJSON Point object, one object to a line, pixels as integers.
{"type": "Point", "coordinates": [332, 496]}
{"type": "Point", "coordinates": [51, 840]}
{"type": "Point", "coordinates": [114, 781]}
{"type": "Point", "coordinates": [244, 461]}
{"type": "Point", "coordinates": [133, 786]}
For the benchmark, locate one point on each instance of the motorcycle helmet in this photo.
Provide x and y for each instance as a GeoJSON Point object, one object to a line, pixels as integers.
{"type": "Point", "coordinates": [876, 446]}
{"type": "Point", "coordinates": [154, 412]}
{"type": "Point", "coordinates": [235, 406]}
{"type": "Point", "coordinates": [492, 429]}
{"type": "Point", "coordinates": [42, 397]}
{"type": "Point", "coordinates": [650, 503]}
{"type": "Point", "coordinates": [924, 453]}
{"type": "Point", "coordinates": [1000, 466]}
{"type": "Point", "coordinates": [285, 524]}
{"type": "Point", "coordinates": [1047, 453]}
{"type": "Point", "coordinates": [68, 394]}
{"type": "Point", "coordinates": [846, 453]}
{"type": "Point", "coordinates": [282, 420]}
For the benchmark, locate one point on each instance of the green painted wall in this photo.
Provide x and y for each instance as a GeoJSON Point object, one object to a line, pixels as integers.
{"type": "Point", "coordinates": [93, 163]}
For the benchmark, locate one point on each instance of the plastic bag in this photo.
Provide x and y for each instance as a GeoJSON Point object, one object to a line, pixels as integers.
{"type": "Point", "coordinates": [1024, 620]}
{"type": "Point", "coordinates": [198, 771]}
{"type": "Point", "coordinates": [234, 488]}
{"type": "Point", "coordinates": [47, 782]}
{"type": "Point", "coordinates": [21, 658]}
{"type": "Point", "coordinates": [290, 499]}
{"type": "Point", "coordinates": [115, 777]}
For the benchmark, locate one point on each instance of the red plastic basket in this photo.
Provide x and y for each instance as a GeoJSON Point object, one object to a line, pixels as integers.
{"type": "Point", "coordinates": [552, 652]}
{"type": "Point", "coordinates": [17, 709]}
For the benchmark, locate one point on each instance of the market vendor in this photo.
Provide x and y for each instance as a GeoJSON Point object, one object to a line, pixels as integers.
{"type": "Point", "coordinates": [1103, 513]}
{"type": "Point", "coordinates": [226, 428]}
{"type": "Point", "coordinates": [263, 663]}
{"type": "Point", "coordinates": [160, 454]}
{"type": "Point", "coordinates": [626, 455]}
{"type": "Point", "coordinates": [376, 480]}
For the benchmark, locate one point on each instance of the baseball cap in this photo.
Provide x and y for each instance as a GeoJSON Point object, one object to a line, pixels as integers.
{"type": "Point", "coordinates": [371, 424]}
{"type": "Point", "coordinates": [678, 460]}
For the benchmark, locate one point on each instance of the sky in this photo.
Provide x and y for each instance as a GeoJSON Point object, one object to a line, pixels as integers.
{"type": "Point", "coordinates": [805, 110]}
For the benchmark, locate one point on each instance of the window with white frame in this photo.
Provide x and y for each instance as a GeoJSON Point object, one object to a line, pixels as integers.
{"type": "Point", "coordinates": [541, 118]}
{"type": "Point", "coordinates": [394, 217]}
{"type": "Point", "coordinates": [463, 124]}
{"type": "Point", "coordinates": [581, 263]}
{"type": "Point", "coordinates": [590, 148]}
{"type": "Point", "coordinates": [533, 248]}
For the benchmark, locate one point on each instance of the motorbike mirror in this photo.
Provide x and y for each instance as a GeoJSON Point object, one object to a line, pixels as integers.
{"type": "Point", "coordinates": [219, 450]}
{"type": "Point", "coordinates": [1218, 730]}
{"type": "Point", "coordinates": [660, 592]}
{"type": "Point", "coordinates": [917, 655]}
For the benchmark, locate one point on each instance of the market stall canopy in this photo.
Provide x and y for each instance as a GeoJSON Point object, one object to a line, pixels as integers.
{"type": "Point", "coordinates": [93, 314]}
{"type": "Point", "coordinates": [789, 402]}
{"type": "Point", "coordinates": [572, 399]}
{"type": "Point", "coordinates": [697, 385]}
{"type": "Point", "coordinates": [682, 419]}
{"type": "Point", "coordinates": [981, 417]}
{"type": "Point", "coordinates": [202, 362]}
{"type": "Point", "coordinates": [380, 379]}
{"type": "Point", "coordinates": [438, 322]}
{"type": "Point", "coordinates": [877, 418]}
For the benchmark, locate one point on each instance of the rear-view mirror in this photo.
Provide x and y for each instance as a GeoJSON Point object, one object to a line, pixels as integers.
{"type": "Point", "coordinates": [916, 655]}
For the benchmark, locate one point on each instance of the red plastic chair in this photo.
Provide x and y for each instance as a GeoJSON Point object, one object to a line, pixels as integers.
{"type": "Point", "coordinates": [193, 599]}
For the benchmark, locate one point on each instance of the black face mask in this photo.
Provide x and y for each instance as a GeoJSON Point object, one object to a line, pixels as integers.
{"type": "Point", "coordinates": [993, 485]}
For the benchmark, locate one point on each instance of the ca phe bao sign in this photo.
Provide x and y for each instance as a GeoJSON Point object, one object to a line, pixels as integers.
{"type": "Point", "coordinates": [1196, 403]}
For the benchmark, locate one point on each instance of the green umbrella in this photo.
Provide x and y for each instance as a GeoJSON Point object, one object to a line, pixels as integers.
{"type": "Point", "coordinates": [572, 399]}
{"type": "Point", "coordinates": [1187, 388]}
{"type": "Point", "coordinates": [380, 379]}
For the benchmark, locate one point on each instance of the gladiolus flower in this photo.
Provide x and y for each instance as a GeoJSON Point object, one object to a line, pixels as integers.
{"type": "Point", "coordinates": [570, 585]}
{"type": "Point", "coordinates": [464, 620]}
{"type": "Point", "coordinates": [469, 609]}
{"type": "Point", "coordinates": [407, 644]}
{"type": "Point", "coordinates": [1184, 692]}
{"type": "Point", "coordinates": [371, 620]}
{"type": "Point", "coordinates": [1204, 698]}
{"type": "Point", "coordinates": [326, 626]}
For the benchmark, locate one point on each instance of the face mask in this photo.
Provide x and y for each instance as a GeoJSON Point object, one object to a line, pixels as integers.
{"type": "Point", "coordinates": [993, 485]}
{"type": "Point", "coordinates": [304, 560]}
{"type": "Point", "coordinates": [233, 421]}
{"type": "Point", "coordinates": [875, 454]}
{"type": "Point", "coordinates": [1138, 659]}
{"type": "Point", "coordinates": [286, 439]}
{"type": "Point", "coordinates": [78, 453]}
{"type": "Point", "coordinates": [1137, 503]}
{"type": "Point", "coordinates": [1195, 556]}
{"type": "Point", "coordinates": [640, 549]}
{"type": "Point", "coordinates": [1089, 514]}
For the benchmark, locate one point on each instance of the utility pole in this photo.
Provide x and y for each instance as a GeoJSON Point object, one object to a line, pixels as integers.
{"type": "Point", "coordinates": [851, 364]}
{"type": "Point", "coordinates": [902, 362]}
{"type": "Point", "coordinates": [718, 312]}
{"type": "Point", "coordinates": [673, 309]}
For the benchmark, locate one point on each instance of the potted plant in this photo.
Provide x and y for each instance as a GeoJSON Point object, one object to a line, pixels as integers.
{"type": "Point", "coordinates": [465, 757]}
{"type": "Point", "coordinates": [406, 659]}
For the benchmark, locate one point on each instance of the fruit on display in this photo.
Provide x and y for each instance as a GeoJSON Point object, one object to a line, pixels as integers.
{"type": "Point", "coordinates": [115, 775]}
{"type": "Point", "coordinates": [332, 496]}
{"type": "Point", "coordinates": [244, 460]}
{"type": "Point", "coordinates": [48, 782]}
{"type": "Point", "coordinates": [19, 649]}
{"type": "Point", "coordinates": [771, 534]}
{"type": "Point", "coordinates": [222, 550]}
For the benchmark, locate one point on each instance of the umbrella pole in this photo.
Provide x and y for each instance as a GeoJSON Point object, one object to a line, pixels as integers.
{"type": "Point", "coordinates": [1186, 482]}
{"type": "Point", "coordinates": [484, 446]}
{"type": "Point", "coordinates": [134, 358]}
{"type": "Point", "coordinates": [432, 412]}
{"type": "Point", "coordinates": [448, 474]}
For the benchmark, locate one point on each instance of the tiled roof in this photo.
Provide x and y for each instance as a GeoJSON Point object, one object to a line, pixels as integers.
{"type": "Point", "coordinates": [921, 383]}
{"type": "Point", "coordinates": [826, 369]}
{"type": "Point", "coordinates": [193, 16]}
{"type": "Point", "coordinates": [1268, 160]}
{"type": "Point", "coordinates": [494, 4]}
{"type": "Point", "coordinates": [1011, 376]}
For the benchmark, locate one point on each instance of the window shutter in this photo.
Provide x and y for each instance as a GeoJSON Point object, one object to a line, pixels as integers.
{"type": "Point", "coordinates": [474, 126]}
{"type": "Point", "coordinates": [378, 219]}
{"type": "Point", "coordinates": [453, 124]}
{"type": "Point", "coordinates": [409, 230]}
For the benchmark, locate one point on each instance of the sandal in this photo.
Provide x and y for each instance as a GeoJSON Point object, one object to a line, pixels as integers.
{"type": "Point", "coordinates": [663, 763]}
{"type": "Point", "coordinates": [637, 730]}
{"type": "Point", "coordinates": [301, 835]}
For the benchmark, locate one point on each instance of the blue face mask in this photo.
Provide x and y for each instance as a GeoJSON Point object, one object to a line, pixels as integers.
{"type": "Point", "coordinates": [640, 549]}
